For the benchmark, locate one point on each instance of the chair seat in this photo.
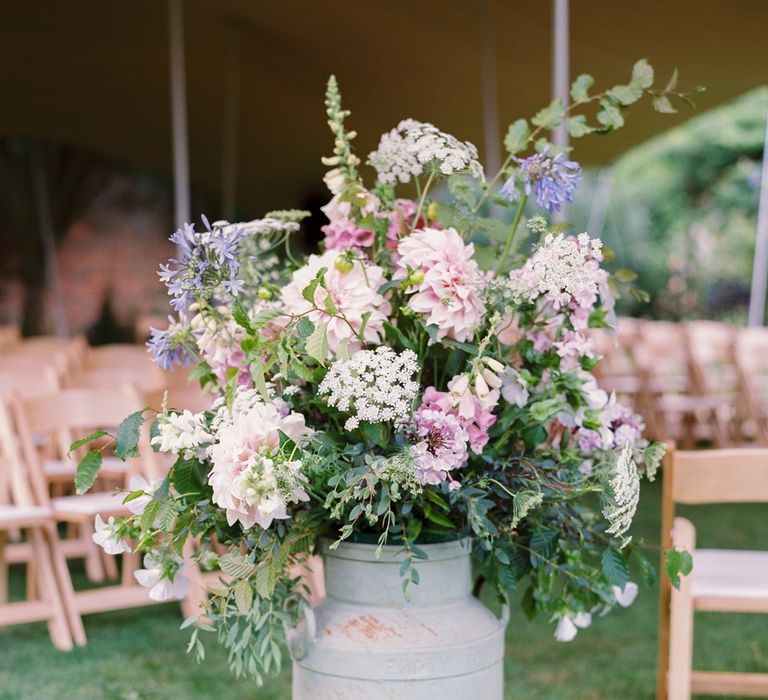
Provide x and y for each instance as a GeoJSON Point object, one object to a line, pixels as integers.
{"type": "Point", "coordinates": [102, 503]}
{"type": "Point", "coordinates": [59, 468]}
{"type": "Point", "coordinates": [23, 516]}
{"type": "Point", "coordinates": [729, 573]}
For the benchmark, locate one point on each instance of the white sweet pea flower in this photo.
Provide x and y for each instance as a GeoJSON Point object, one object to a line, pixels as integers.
{"type": "Point", "coordinates": [513, 387]}
{"type": "Point", "coordinates": [625, 596]}
{"type": "Point", "coordinates": [566, 630]}
{"type": "Point", "coordinates": [107, 538]}
{"type": "Point", "coordinates": [582, 620]}
{"type": "Point", "coordinates": [139, 483]}
{"type": "Point", "coordinates": [164, 576]}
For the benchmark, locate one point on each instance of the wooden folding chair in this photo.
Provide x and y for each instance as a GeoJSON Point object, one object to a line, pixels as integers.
{"type": "Point", "coordinates": [617, 372]}
{"type": "Point", "coordinates": [9, 337]}
{"type": "Point", "coordinates": [722, 580]}
{"type": "Point", "coordinates": [66, 415]}
{"type": "Point", "coordinates": [18, 512]}
{"type": "Point", "coordinates": [751, 352]}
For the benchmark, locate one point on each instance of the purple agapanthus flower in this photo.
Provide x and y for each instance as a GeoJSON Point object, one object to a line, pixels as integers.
{"type": "Point", "coordinates": [207, 262]}
{"type": "Point", "coordinates": [173, 346]}
{"type": "Point", "coordinates": [553, 180]}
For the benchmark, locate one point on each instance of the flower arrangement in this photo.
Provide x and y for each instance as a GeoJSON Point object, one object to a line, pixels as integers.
{"type": "Point", "coordinates": [426, 375]}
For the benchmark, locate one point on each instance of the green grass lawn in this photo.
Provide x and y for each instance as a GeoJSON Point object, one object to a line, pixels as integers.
{"type": "Point", "coordinates": [139, 654]}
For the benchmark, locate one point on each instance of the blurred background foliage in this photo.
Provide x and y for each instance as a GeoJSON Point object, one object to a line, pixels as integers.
{"type": "Point", "coordinates": [681, 209]}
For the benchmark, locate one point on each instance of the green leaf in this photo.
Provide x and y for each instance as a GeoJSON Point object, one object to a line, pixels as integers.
{"type": "Point", "coordinates": [265, 316]}
{"type": "Point", "coordinates": [304, 328]}
{"type": "Point", "coordinates": [127, 442]}
{"type": "Point", "coordinates": [662, 105]}
{"type": "Point", "coordinates": [87, 470]}
{"type": "Point", "coordinates": [317, 343]}
{"type": "Point", "coordinates": [257, 373]}
{"type": "Point", "coordinates": [309, 291]}
{"type": "Point", "coordinates": [615, 568]}
{"type": "Point", "coordinates": [580, 87]}
{"type": "Point", "coordinates": [610, 115]}
{"type": "Point", "coordinates": [166, 515]}
{"type": "Point", "coordinates": [243, 596]}
{"type": "Point", "coordinates": [577, 126]}
{"type": "Point", "coordinates": [185, 477]}
{"type": "Point", "coordinates": [462, 190]}
{"type": "Point", "coordinates": [551, 116]}
{"type": "Point", "coordinates": [236, 565]}
{"type": "Point", "coordinates": [505, 575]}
{"type": "Point", "coordinates": [437, 517]}
{"type": "Point", "coordinates": [330, 307]}
{"type": "Point", "coordinates": [543, 545]}
{"type": "Point", "coordinates": [624, 275]}
{"type": "Point", "coordinates": [626, 94]}
{"type": "Point", "coordinates": [652, 456]}
{"type": "Point", "coordinates": [517, 136]}
{"type": "Point", "coordinates": [672, 84]}
{"type": "Point", "coordinates": [241, 316]}
{"type": "Point", "coordinates": [647, 570]}
{"type": "Point", "coordinates": [677, 563]}
{"type": "Point", "coordinates": [375, 432]}
{"type": "Point", "coordinates": [543, 411]}
{"type": "Point", "coordinates": [77, 444]}
{"type": "Point", "coordinates": [642, 74]}
{"type": "Point", "coordinates": [522, 504]}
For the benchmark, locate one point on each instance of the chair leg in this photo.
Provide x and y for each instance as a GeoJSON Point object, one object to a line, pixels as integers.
{"type": "Point", "coordinates": [198, 595]}
{"type": "Point", "coordinates": [64, 581]}
{"type": "Point", "coordinates": [109, 562]}
{"type": "Point", "coordinates": [681, 621]}
{"type": "Point", "coordinates": [3, 568]}
{"type": "Point", "coordinates": [33, 585]}
{"type": "Point", "coordinates": [94, 567]}
{"type": "Point", "coordinates": [57, 624]}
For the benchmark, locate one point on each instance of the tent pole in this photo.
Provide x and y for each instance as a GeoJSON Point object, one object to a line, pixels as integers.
{"type": "Point", "coordinates": [230, 126]}
{"type": "Point", "coordinates": [560, 71]}
{"type": "Point", "coordinates": [179, 115]}
{"type": "Point", "coordinates": [760, 263]}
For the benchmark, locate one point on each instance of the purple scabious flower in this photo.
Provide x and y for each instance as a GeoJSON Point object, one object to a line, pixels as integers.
{"type": "Point", "coordinates": [207, 262]}
{"type": "Point", "coordinates": [553, 180]}
{"type": "Point", "coordinates": [172, 347]}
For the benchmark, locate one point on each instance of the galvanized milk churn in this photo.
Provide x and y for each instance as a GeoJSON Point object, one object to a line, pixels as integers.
{"type": "Point", "coordinates": [365, 641]}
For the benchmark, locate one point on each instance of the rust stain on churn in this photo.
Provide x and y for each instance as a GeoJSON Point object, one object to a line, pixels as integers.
{"type": "Point", "coordinates": [370, 627]}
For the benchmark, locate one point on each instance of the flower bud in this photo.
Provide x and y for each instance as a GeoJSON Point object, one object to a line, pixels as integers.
{"type": "Point", "coordinates": [481, 387]}
{"type": "Point", "coordinates": [432, 211]}
{"type": "Point", "coordinates": [416, 277]}
{"type": "Point", "coordinates": [491, 379]}
{"type": "Point", "coordinates": [495, 365]}
{"type": "Point", "coordinates": [460, 385]}
{"type": "Point", "coordinates": [265, 293]}
{"type": "Point", "coordinates": [343, 264]}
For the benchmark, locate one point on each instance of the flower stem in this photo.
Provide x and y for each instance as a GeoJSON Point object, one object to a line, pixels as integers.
{"type": "Point", "coordinates": [421, 200]}
{"type": "Point", "coordinates": [512, 234]}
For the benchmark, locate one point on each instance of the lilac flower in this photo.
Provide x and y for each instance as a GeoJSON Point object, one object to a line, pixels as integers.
{"type": "Point", "coordinates": [173, 346]}
{"type": "Point", "coordinates": [552, 179]}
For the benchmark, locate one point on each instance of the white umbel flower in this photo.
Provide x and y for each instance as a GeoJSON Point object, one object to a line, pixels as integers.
{"type": "Point", "coordinates": [375, 386]}
{"type": "Point", "coordinates": [623, 493]}
{"type": "Point", "coordinates": [414, 147]}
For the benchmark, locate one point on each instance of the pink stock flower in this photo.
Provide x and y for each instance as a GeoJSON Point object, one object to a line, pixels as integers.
{"type": "Point", "coordinates": [475, 415]}
{"type": "Point", "coordinates": [354, 293]}
{"type": "Point", "coordinates": [448, 294]}
{"type": "Point", "coordinates": [342, 231]}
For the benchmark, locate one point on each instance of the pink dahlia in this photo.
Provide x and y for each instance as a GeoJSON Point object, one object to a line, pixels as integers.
{"type": "Point", "coordinates": [354, 293]}
{"type": "Point", "coordinates": [449, 293]}
{"type": "Point", "coordinates": [441, 445]}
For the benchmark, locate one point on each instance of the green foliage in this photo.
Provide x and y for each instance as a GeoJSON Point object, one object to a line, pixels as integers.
{"type": "Point", "coordinates": [87, 470]}
{"type": "Point", "coordinates": [128, 432]}
{"type": "Point", "coordinates": [677, 563]}
{"type": "Point", "coordinates": [77, 444]}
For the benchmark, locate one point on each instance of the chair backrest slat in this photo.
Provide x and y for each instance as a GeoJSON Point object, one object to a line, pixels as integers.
{"type": "Point", "coordinates": [720, 476]}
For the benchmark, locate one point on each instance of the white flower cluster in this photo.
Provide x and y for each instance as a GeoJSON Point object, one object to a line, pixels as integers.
{"type": "Point", "coordinates": [406, 151]}
{"type": "Point", "coordinates": [376, 386]}
{"type": "Point", "coordinates": [623, 493]}
{"type": "Point", "coordinates": [258, 227]}
{"type": "Point", "coordinates": [564, 269]}
{"type": "Point", "coordinates": [182, 434]}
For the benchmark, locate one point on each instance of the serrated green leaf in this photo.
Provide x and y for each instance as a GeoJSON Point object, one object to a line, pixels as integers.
{"type": "Point", "coordinates": [580, 87]}
{"type": "Point", "coordinates": [642, 74]}
{"type": "Point", "coordinates": [626, 94]}
{"type": "Point", "coordinates": [317, 343]}
{"type": "Point", "coordinates": [615, 568]}
{"type": "Point", "coordinates": [517, 136]}
{"type": "Point", "coordinates": [127, 442]}
{"type": "Point", "coordinates": [677, 563]}
{"type": "Point", "coordinates": [243, 596]}
{"type": "Point", "coordinates": [241, 316]}
{"type": "Point", "coordinates": [186, 477]}
{"type": "Point", "coordinates": [166, 515]}
{"type": "Point", "coordinates": [87, 470]}
{"type": "Point", "coordinates": [265, 316]}
{"type": "Point", "coordinates": [77, 444]}
{"type": "Point", "coordinates": [577, 126]}
{"type": "Point", "coordinates": [610, 115]}
{"type": "Point", "coordinates": [647, 570]}
{"type": "Point", "coordinates": [236, 565]}
{"type": "Point", "coordinates": [462, 190]}
{"type": "Point", "coordinates": [304, 328]}
{"type": "Point", "coordinates": [319, 280]}
{"type": "Point", "coordinates": [652, 456]}
{"type": "Point", "coordinates": [551, 116]}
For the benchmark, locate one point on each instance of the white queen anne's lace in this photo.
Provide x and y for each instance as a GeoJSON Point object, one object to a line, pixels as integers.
{"type": "Point", "coordinates": [409, 149]}
{"type": "Point", "coordinates": [375, 386]}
